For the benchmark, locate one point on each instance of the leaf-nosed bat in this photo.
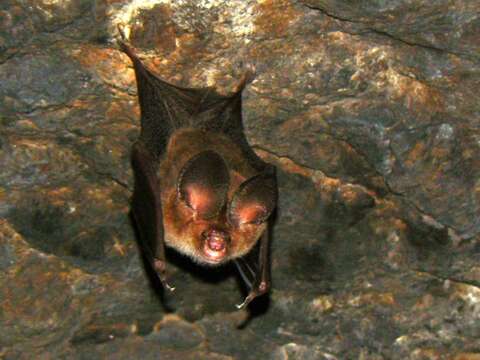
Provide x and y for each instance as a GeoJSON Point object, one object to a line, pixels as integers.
{"type": "Point", "coordinates": [199, 186]}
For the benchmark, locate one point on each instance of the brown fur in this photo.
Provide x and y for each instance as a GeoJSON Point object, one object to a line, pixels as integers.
{"type": "Point", "coordinates": [182, 229]}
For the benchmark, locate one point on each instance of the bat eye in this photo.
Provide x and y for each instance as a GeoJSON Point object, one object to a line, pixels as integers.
{"type": "Point", "coordinates": [254, 200]}
{"type": "Point", "coordinates": [203, 184]}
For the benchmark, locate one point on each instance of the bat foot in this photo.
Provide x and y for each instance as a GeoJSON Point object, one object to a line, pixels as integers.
{"type": "Point", "coordinates": [160, 269]}
{"type": "Point", "coordinates": [247, 77]}
{"type": "Point", "coordinates": [259, 290]}
{"type": "Point", "coordinates": [121, 31]}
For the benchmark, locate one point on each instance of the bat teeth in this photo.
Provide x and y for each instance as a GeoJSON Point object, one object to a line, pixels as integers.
{"type": "Point", "coordinates": [215, 244]}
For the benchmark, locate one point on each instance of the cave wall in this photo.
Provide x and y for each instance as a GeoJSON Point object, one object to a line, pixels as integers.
{"type": "Point", "coordinates": [369, 110]}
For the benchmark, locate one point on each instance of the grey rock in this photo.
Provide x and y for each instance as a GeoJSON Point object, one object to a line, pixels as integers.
{"type": "Point", "coordinates": [368, 109]}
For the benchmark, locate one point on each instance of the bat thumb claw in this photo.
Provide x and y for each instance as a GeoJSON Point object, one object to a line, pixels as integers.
{"type": "Point", "coordinates": [240, 306]}
{"type": "Point", "coordinates": [159, 266]}
{"type": "Point", "coordinates": [169, 287]}
{"type": "Point", "coordinates": [165, 284]}
{"type": "Point", "coordinates": [258, 290]}
{"type": "Point", "coordinates": [247, 301]}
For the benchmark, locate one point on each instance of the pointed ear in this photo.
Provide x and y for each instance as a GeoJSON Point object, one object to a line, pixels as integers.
{"type": "Point", "coordinates": [254, 200]}
{"type": "Point", "coordinates": [203, 184]}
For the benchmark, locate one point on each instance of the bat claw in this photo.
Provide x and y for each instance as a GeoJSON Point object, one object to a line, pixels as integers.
{"type": "Point", "coordinates": [168, 287]}
{"type": "Point", "coordinates": [257, 291]}
{"type": "Point", "coordinates": [121, 31]}
{"type": "Point", "coordinates": [165, 284]}
{"type": "Point", "coordinates": [243, 304]}
{"type": "Point", "coordinates": [160, 267]}
{"type": "Point", "coordinates": [247, 77]}
{"type": "Point", "coordinates": [252, 295]}
{"type": "Point", "coordinates": [247, 301]}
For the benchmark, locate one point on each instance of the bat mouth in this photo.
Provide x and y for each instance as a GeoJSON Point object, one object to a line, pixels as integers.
{"type": "Point", "coordinates": [215, 245]}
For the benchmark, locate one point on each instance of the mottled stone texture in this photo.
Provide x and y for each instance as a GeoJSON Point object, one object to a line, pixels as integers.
{"type": "Point", "coordinates": [369, 109]}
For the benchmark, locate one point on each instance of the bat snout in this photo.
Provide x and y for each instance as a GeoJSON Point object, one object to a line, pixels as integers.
{"type": "Point", "coordinates": [215, 243]}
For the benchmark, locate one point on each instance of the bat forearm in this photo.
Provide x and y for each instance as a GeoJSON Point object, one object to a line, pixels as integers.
{"type": "Point", "coordinates": [261, 282]}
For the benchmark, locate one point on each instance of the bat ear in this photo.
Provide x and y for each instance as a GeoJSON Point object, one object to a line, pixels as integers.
{"type": "Point", "coordinates": [254, 200]}
{"type": "Point", "coordinates": [203, 184]}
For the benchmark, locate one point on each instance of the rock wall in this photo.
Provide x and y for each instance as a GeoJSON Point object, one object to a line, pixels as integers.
{"type": "Point", "coordinates": [369, 109]}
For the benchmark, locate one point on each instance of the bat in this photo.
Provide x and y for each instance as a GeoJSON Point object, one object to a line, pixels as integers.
{"type": "Point", "coordinates": [199, 187]}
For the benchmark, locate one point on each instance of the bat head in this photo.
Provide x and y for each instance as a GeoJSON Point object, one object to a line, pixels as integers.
{"type": "Point", "coordinates": [218, 215]}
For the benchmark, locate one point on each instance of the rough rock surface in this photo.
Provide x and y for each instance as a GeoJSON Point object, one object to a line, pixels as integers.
{"type": "Point", "coordinates": [369, 109]}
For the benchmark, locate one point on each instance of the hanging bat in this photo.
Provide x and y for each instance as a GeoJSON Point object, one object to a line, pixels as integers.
{"type": "Point", "coordinates": [199, 187]}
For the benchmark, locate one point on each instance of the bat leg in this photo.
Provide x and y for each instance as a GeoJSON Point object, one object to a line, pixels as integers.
{"type": "Point", "coordinates": [261, 282]}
